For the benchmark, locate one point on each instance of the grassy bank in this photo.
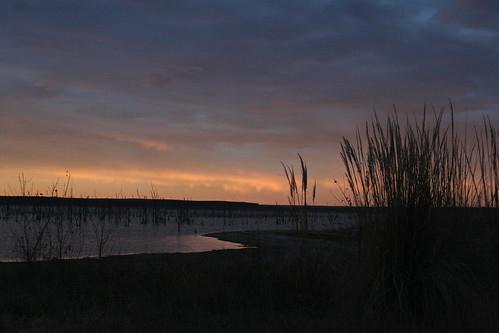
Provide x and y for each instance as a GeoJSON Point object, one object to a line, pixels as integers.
{"type": "Point", "coordinates": [264, 289]}
{"type": "Point", "coordinates": [219, 291]}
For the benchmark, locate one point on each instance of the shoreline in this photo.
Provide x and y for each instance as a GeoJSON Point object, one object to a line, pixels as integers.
{"type": "Point", "coordinates": [270, 242]}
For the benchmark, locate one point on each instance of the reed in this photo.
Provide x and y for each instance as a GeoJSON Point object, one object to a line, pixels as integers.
{"type": "Point", "coordinates": [426, 165]}
{"type": "Point", "coordinates": [485, 165]}
{"type": "Point", "coordinates": [297, 197]}
{"type": "Point", "coordinates": [413, 179]}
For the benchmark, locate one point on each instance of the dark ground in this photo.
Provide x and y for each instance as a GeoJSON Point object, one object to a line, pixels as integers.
{"type": "Point", "coordinates": [287, 284]}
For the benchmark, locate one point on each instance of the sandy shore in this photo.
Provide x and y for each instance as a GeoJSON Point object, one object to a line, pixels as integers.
{"type": "Point", "coordinates": [290, 242]}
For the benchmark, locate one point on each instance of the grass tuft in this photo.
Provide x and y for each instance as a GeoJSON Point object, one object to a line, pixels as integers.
{"type": "Point", "coordinates": [414, 178]}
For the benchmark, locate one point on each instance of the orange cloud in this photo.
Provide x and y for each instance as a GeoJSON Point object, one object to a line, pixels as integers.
{"type": "Point", "coordinates": [178, 183]}
{"type": "Point", "coordinates": [231, 183]}
{"type": "Point", "coordinates": [142, 142]}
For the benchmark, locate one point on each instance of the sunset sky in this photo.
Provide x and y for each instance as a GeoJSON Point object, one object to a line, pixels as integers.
{"type": "Point", "coordinates": [205, 98]}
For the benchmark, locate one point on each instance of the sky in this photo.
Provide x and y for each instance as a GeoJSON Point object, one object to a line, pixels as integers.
{"type": "Point", "coordinates": [204, 99]}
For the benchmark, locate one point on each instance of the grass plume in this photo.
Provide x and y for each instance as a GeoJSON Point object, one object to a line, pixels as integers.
{"type": "Point", "coordinates": [298, 191]}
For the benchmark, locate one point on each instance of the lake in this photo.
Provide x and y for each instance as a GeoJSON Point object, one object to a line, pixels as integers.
{"type": "Point", "coordinates": [32, 229]}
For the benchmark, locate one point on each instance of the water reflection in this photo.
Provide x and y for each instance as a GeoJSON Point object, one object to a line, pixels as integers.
{"type": "Point", "coordinates": [37, 232]}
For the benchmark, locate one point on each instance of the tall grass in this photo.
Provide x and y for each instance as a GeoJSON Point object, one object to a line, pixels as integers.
{"type": "Point", "coordinates": [411, 173]}
{"type": "Point", "coordinates": [429, 164]}
{"type": "Point", "coordinates": [298, 191]}
{"type": "Point", "coordinates": [487, 163]}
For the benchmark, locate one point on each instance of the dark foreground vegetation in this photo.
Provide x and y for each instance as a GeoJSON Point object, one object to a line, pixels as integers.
{"type": "Point", "coordinates": [298, 287]}
{"type": "Point", "coordinates": [428, 250]}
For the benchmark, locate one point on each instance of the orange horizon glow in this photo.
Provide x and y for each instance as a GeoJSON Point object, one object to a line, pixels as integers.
{"type": "Point", "coordinates": [168, 184]}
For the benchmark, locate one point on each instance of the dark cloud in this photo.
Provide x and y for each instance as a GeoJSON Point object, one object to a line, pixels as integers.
{"type": "Point", "coordinates": [158, 80]}
{"type": "Point", "coordinates": [475, 14]}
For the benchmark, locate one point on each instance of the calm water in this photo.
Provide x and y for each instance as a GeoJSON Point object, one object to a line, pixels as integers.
{"type": "Point", "coordinates": [47, 232]}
